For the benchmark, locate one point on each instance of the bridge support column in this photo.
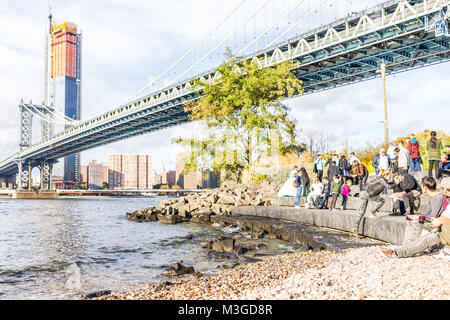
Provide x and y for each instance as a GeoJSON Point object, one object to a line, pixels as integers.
{"type": "Point", "coordinates": [46, 175]}
{"type": "Point", "coordinates": [24, 176]}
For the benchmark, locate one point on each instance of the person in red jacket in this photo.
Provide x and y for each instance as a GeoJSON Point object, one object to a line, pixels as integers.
{"type": "Point", "coordinates": [414, 151]}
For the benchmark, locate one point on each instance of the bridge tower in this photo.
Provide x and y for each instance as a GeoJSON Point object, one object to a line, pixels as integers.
{"type": "Point", "coordinates": [45, 114]}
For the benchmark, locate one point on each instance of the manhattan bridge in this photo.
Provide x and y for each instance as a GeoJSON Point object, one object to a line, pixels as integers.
{"type": "Point", "coordinates": [396, 35]}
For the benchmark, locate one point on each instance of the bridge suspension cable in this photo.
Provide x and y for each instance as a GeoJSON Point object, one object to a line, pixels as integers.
{"type": "Point", "coordinates": [45, 118]}
{"type": "Point", "coordinates": [59, 115]}
{"type": "Point", "coordinates": [198, 44]}
{"type": "Point", "coordinates": [221, 43]}
{"type": "Point", "coordinates": [270, 28]}
{"type": "Point", "coordinates": [296, 24]}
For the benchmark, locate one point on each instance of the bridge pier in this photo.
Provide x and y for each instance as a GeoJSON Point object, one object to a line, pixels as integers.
{"type": "Point", "coordinates": [46, 175]}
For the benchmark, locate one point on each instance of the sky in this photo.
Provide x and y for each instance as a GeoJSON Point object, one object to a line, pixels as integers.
{"type": "Point", "coordinates": [126, 43]}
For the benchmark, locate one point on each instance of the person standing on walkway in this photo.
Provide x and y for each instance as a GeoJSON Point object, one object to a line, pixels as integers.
{"type": "Point", "coordinates": [404, 158]}
{"type": "Point", "coordinates": [373, 192]}
{"type": "Point", "coordinates": [414, 152]}
{"type": "Point", "coordinates": [354, 158]}
{"type": "Point", "coordinates": [318, 166]}
{"type": "Point", "coordinates": [344, 168]}
{"type": "Point", "coordinates": [332, 171]}
{"type": "Point", "coordinates": [381, 162]}
{"type": "Point", "coordinates": [335, 191]}
{"type": "Point", "coordinates": [298, 185]}
{"type": "Point", "coordinates": [345, 192]}
{"type": "Point", "coordinates": [306, 182]}
{"type": "Point", "coordinates": [434, 147]}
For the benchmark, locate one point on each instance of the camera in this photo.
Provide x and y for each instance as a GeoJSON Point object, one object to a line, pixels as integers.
{"type": "Point", "coordinates": [423, 219]}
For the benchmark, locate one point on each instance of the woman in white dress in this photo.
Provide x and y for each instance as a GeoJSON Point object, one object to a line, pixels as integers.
{"type": "Point", "coordinates": [288, 189]}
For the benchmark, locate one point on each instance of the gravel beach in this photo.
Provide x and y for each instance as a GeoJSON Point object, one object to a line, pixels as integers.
{"type": "Point", "coordinates": [355, 274]}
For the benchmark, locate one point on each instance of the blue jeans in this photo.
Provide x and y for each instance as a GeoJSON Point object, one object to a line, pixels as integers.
{"type": "Point", "coordinates": [324, 200]}
{"type": "Point", "coordinates": [299, 195]}
{"type": "Point", "coordinates": [415, 165]}
{"type": "Point", "coordinates": [442, 167]}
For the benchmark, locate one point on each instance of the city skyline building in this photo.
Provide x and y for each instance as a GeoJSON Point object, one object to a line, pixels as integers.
{"type": "Point", "coordinates": [130, 172]}
{"type": "Point", "coordinates": [63, 87]}
{"type": "Point", "coordinates": [94, 175]}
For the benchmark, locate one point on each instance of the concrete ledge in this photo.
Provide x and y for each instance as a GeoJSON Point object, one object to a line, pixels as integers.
{"type": "Point", "coordinates": [388, 228]}
{"type": "Point", "coordinates": [22, 194]}
{"type": "Point", "coordinates": [353, 203]}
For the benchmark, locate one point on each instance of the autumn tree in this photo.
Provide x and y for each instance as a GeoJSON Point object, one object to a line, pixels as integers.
{"type": "Point", "coordinates": [245, 116]}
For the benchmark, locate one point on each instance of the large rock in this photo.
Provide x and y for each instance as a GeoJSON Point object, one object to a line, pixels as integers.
{"type": "Point", "coordinates": [167, 219]}
{"type": "Point", "coordinates": [178, 270]}
{"type": "Point", "coordinates": [202, 216]}
{"type": "Point", "coordinates": [227, 199]}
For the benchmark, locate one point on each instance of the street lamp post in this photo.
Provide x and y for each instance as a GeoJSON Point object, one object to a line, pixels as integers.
{"type": "Point", "coordinates": [386, 122]}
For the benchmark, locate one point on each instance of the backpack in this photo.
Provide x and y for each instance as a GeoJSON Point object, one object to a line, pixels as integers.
{"type": "Point", "coordinates": [374, 188]}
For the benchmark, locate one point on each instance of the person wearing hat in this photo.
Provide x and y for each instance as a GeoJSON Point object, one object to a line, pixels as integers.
{"type": "Point", "coordinates": [433, 238]}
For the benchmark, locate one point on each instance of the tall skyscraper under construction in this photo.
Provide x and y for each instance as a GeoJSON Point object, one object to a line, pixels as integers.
{"type": "Point", "coordinates": [63, 87]}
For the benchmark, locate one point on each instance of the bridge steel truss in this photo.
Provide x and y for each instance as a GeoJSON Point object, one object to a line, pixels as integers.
{"type": "Point", "coordinates": [348, 51]}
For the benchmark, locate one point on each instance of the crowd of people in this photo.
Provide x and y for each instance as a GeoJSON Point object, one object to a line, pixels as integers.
{"type": "Point", "coordinates": [393, 168]}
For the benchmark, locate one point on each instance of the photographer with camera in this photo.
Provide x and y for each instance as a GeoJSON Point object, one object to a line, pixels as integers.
{"type": "Point", "coordinates": [442, 236]}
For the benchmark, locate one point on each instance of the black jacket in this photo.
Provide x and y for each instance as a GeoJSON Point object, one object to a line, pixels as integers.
{"type": "Point", "coordinates": [377, 186]}
{"type": "Point", "coordinates": [305, 179]}
{"type": "Point", "coordinates": [408, 184]}
{"type": "Point", "coordinates": [333, 170]}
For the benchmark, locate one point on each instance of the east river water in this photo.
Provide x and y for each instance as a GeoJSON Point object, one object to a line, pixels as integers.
{"type": "Point", "coordinates": [62, 249]}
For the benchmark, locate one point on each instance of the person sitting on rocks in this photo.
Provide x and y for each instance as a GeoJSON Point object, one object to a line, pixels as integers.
{"type": "Point", "coordinates": [432, 238]}
{"type": "Point", "coordinates": [414, 228]}
{"type": "Point", "coordinates": [325, 194]}
{"type": "Point", "coordinates": [316, 190]}
{"type": "Point", "coordinates": [407, 189]}
{"type": "Point", "coordinates": [373, 192]}
{"type": "Point", "coordinates": [360, 175]}
{"type": "Point", "coordinates": [444, 166]}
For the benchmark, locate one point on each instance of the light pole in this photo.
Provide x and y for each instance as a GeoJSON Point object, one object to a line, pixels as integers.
{"type": "Point", "coordinates": [386, 122]}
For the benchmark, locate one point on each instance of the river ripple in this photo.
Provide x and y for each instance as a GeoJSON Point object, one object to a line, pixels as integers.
{"type": "Point", "coordinates": [59, 249]}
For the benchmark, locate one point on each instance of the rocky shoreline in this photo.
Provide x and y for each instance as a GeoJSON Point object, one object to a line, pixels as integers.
{"type": "Point", "coordinates": [200, 207]}
{"type": "Point", "coordinates": [312, 272]}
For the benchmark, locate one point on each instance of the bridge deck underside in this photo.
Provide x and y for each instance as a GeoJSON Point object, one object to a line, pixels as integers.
{"type": "Point", "coordinates": [401, 54]}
